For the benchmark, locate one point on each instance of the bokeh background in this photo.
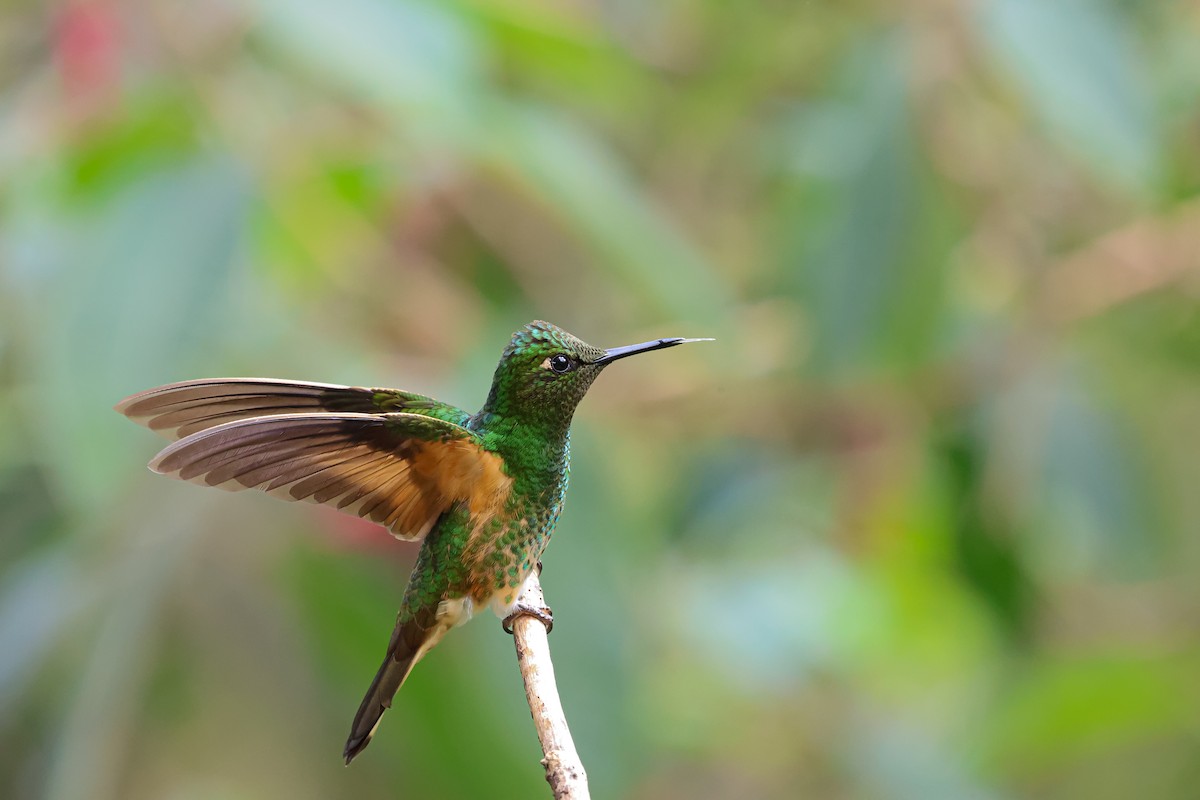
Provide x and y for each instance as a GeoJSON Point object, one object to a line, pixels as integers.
{"type": "Point", "coordinates": [922, 523]}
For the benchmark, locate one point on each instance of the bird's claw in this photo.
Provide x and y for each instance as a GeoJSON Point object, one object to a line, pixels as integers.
{"type": "Point", "coordinates": [543, 615]}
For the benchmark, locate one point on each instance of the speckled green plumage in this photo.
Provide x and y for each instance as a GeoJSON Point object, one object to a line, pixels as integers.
{"type": "Point", "coordinates": [526, 421]}
{"type": "Point", "coordinates": [482, 491]}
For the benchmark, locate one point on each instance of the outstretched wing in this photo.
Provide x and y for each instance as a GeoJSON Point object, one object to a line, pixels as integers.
{"type": "Point", "coordinates": [401, 470]}
{"type": "Point", "coordinates": [180, 409]}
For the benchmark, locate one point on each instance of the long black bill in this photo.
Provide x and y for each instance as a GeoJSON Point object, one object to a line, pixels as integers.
{"type": "Point", "coordinates": [613, 353]}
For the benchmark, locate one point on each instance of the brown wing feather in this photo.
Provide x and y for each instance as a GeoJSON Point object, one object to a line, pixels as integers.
{"type": "Point", "coordinates": [181, 409]}
{"type": "Point", "coordinates": [400, 470]}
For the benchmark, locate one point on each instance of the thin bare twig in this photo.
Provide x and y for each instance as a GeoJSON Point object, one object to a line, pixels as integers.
{"type": "Point", "coordinates": [564, 770]}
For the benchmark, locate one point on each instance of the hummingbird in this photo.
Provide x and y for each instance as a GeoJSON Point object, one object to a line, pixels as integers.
{"type": "Point", "coordinates": [482, 492]}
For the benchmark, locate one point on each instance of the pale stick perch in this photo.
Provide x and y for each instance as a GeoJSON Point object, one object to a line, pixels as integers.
{"type": "Point", "coordinates": [564, 770]}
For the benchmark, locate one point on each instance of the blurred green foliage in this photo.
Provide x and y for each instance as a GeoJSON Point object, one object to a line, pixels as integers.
{"type": "Point", "coordinates": [922, 523]}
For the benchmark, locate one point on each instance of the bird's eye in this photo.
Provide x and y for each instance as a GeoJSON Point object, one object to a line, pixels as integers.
{"type": "Point", "coordinates": [561, 364]}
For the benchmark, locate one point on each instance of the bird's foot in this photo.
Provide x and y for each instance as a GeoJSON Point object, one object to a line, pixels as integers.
{"type": "Point", "coordinates": [543, 614]}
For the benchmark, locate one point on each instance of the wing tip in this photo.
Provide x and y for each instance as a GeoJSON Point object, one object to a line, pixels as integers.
{"type": "Point", "coordinates": [155, 465]}
{"type": "Point", "coordinates": [125, 406]}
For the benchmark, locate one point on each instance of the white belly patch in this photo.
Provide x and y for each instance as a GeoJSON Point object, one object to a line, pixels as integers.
{"type": "Point", "coordinates": [504, 602]}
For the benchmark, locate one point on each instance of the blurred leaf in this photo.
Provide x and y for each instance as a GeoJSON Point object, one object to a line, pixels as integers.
{"type": "Point", "coordinates": [986, 549]}
{"type": "Point", "coordinates": [416, 58]}
{"type": "Point", "coordinates": [1161, 326]}
{"type": "Point", "coordinates": [1093, 489]}
{"type": "Point", "coordinates": [899, 762]}
{"type": "Point", "coordinates": [1077, 68]}
{"type": "Point", "coordinates": [157, 134]}
{"type": "Point", "coordinates": [143, 281]}
{"type": "Point", "coordinates": [770, 625]}
{"type": "Point", "coordinates": [28, 514]}
{"type": "Point", "coordinates": [1083, 494]}
{"type": "Point", "coordinates": [420, 64]}
{"type": "Point", "coordinates": [857, 147]}
{"type": "Point", "coordinates": [1087, 705]}
{"type": "Point", "coordinates": [574, 177]}
{"type": "Point", "coordinates": [773, 502]}
{"type": "Point", "coordinates": [38, 598]}
{"type": "Point", "coordinates": [553, 47]}
{"type": "Point", "coordinates": [102, 711]}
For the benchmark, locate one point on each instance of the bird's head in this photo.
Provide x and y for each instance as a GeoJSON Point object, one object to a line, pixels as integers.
{"type": "Point", "coordinates": [545, 371]}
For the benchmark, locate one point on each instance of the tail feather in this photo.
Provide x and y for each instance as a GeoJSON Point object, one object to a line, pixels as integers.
{"type": "Point", "coordinates": [410, 641]}
{"type": "Point", "coordinates": [377, 700]}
